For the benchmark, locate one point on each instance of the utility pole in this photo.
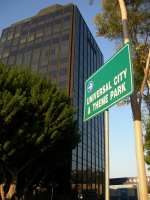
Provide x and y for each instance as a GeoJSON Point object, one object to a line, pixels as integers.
{"type": "Point", "coordinates": [143, 193]}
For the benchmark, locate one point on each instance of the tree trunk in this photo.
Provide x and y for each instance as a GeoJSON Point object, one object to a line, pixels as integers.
{"type": "Point", "coordinates": [2, 194]}
{"type": "Point", "coordinates": [11, 192]}
{"type": "Point", "coordinates": [136, 111]}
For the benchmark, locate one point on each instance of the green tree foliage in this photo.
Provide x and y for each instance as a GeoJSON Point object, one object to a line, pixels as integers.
{"type": "Point", "coordinates": [109, 25]}
{"type": "Point", "coordinates": [37, 131]}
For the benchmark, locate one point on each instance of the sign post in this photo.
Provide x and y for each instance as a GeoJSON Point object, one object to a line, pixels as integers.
{"type": "Point", "coordinates": [106, 124]}
{"type": "Point", "coordinates": [108, 85]}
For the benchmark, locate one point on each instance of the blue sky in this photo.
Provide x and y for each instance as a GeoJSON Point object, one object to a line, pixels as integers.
{"type": "Point", "coordinates": [122, 148]}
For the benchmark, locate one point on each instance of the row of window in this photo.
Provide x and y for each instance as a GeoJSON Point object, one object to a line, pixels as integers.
{"type": "Point", "coordinates": [60, 50]}
{"type": "Point", "coordinates": [38, 58]}
{"type": "Point", "coordinates": [38, 21]}
{"type": "Point", "coordinates": [31, 36]}
{"type": "Point", "coordinates": [55, 48]}
{"type": "Point", "coordinates": [87, 179]}
{"type": "Point", "coordinates": [93, 180]}
{"type": "Point", "coordinates": [48, 18]}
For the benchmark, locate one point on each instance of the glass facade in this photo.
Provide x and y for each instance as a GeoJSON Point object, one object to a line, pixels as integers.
{"type": "Point", "coordinates": [58, 44]}
{"type": "Point", "coordinates": [88, 157]}
{"type": "Point", "coordinates": [41, 43]}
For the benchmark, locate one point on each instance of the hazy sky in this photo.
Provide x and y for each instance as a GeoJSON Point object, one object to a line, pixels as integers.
{"type": "Point", "coordinates": [122, 148]}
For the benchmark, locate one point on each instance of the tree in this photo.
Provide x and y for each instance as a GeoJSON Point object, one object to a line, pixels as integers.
{"type": "Point", "coordinates": [37, 132]}
{"type": "Point", "coordinates": [109, 25]}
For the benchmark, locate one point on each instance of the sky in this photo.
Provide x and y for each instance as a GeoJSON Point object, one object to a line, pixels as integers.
{"type": "Point", "coordinates": [121, 133]}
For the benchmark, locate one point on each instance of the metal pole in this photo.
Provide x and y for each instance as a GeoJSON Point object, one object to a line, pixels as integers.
{"type": "Point", "coordinates": [52, 192]}
{"type": "Point", "coordinates": [143, 193]}
{"type": "Point", "coordinates": [106, 123]}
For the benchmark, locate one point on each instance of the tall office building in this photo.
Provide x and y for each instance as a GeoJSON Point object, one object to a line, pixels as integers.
{"type": "Point", "coordinates": [57, 43]}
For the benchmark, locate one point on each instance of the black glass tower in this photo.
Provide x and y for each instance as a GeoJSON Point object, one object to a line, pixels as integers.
{"type": "Point", "coordinates": [58, 44]}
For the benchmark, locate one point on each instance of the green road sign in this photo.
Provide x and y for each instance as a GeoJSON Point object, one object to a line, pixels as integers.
{"type": "Point", "coordinates": [109, 84]}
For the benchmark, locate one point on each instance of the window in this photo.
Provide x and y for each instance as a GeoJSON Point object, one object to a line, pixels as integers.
{"type": "Point", "coordinates": [48, 29]}
{"type": "Point", "coordinates": [56, 27]}
{"type": "Point", "coordinates": [44, 56]}
{"type": "Point", "coordinates": [67, 18]}
{"type": "Point", "coordinates": [41, 22]}
{"type": "Point", "coordinates": [63, 84]}
{"type": "Point", "coordinates": [53, 62]}
{"type": "Point", "coordinates": [64, 48]}
{"type": "Point", "coordinates": [4, 35]}
{"type": "Point", "coordinates": [27, 57]}
{"type": "Point", "coordinates": [55, 40]}
{"type": "Point", "coordinates": [1, 51]}
{"type": "Point", "coordinates": [4, 60]}
{"type": "Point", "coordinates": [39, 33]}
{"type": "Point", "coordinates": [63, 71]}
{"type": "Point", "coordinates": [19, 59]}
{"type": "Point", "coordinates": [57, 14]}
{"type": "Point", "coordinates": [66, 22]}
{"type": "Point", "coordinates": [5, 31]}
{"type": "Point", "coordinates": [67, 9]}
{"type": "Point", "coordinates": [54, 51]}
{"type": "Point", "coordinates": [10, 36]}
{"type": "Point", "coordinates": [13, 48]}
{"type": "Point", "coordinates": [11, 60]}
{"type": "Point", "coordinates": [53, 72]}
{"type": "Point", "coordinates": [23, 40]}
{"type": "Point", "coordinates": [5, 54]}
{"type": "Point", "coordinates": [38, 40]}
{"type": "Point", "coordinates": [43, 69]}
{"type": "Point", "coordinates": [65, 36]}
{"type": "Point", "coordinates": [17, 34]}
{"type": "Point", "coordinates": [35, 59]}
{"type": "Point", "coordinates": [3, 39]}
{"type": "Point", "coordinates": [30, 37]}
{"type": "Point", "coordinates": [15, 42]}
